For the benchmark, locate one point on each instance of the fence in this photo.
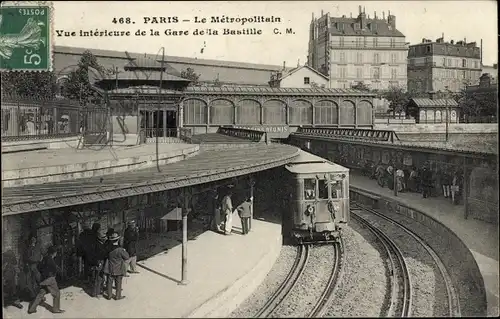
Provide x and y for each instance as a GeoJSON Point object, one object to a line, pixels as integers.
{"type": "Point", "coordinates": [29, 119]}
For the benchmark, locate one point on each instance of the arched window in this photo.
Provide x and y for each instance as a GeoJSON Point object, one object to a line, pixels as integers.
{"type": "Point", "coordinates": [248, 112]}
{"type": "Point", "coordinates": [364, 113]}
{"type": "Point", "coordinates": [326, 112]}
{"type": "Point", "coordinates": [347, 113]}
{"type": "Point", "coordinates": [195, 111]}
{"type": "Point", "coordinates": [221, 112]}
{"type": "Point", "coordinates": [300, 112]}
{"type": "Point", "coordinates": [274, 112]}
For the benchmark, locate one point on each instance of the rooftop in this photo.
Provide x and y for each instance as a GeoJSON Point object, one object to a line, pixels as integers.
{"type": "Point", "coordinates": [426, 102]}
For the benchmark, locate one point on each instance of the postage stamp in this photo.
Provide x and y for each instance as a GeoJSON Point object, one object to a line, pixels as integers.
{"type": "Point", "coordinates": [26, 36]}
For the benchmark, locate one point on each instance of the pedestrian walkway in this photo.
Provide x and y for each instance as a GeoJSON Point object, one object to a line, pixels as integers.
{"type": "Point", "coordinates": [480, 237]}
{"type": "Point", "coordinates": [222, 272]}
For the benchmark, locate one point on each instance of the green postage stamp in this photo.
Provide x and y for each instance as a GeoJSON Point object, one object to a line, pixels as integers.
{"type": "Point", "coordinates": [26, 36]}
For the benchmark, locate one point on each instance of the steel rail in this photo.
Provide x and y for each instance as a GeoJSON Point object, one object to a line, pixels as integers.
{"type": "Point", "coordinates": [333, 282]}
{"type": "Point", "coordinates": [389, 245]}
{"type": "Point", "coordinates": [453, 300]}
{"type": "Point", "coordinates": [287, 286]}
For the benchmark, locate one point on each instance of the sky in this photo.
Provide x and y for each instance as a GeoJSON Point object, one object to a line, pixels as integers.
{"type": "Point", "coordinates": [473, 20]}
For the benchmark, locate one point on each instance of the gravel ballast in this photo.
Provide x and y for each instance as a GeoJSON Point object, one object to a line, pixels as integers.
{"type": "Point", "coordinates": [428, 287]}
{"type": "Point", "coordinates": [271, 283]}
{"type": "Point", "coordinates": [364, 289]}
{"type": "Point", "coordinates": [456, 268]}
{"type": "Point", "coordinates": [311, 284]}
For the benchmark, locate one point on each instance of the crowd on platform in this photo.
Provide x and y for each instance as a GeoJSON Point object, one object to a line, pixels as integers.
{"type": "Point", "coordinates": [446, 181]}
{"type": "Point", "coordinates": [105, 263]}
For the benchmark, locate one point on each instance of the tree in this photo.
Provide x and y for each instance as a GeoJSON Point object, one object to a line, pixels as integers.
{"type": "Point", "coordinates": [78, 87]}
{"type": "Point", "coordinates": [398, 99]}
{"type": "Point", "coordinates": [38, 85]}
{"type": "Point", "coordinates": [191, 75]}
{"type": "Point", "coordinates": [360, 86]}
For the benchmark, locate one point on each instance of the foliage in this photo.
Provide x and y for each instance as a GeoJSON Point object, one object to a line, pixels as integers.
{"type": "Point", "coordinates": [78, 87]}
{"type": "Point", "coordinates": [478, 103]}
{"type": "Point", "coordinates": [191, 75]}
{"type": "Point", "coordinates": [38, 85]}
{"type": "Point", "coordinates": [398, 98]}
{"type": "Point", "coordinates": [360, 86]}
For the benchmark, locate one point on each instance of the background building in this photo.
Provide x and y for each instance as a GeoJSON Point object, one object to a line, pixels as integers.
{"type": "Point", "coordinates": [300, 77]}
{"type": "Point", "coordinates": [224, 72]}
{"type": "Point", "coordinates": [434, 65]}
{"type": "Point", "coordinates": [361, 49]}
{"type": "Point", "coordinates": [492, 70]}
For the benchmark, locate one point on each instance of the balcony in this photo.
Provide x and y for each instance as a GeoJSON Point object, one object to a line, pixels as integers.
{"type": "Point", "coordinates": [368, 46]}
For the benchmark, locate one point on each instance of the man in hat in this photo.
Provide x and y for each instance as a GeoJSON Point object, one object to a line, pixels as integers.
{"type": "Point", "coordinates": [115, 268]}
{"type": "Point", "coordinates": [130, 239]}
{"type": "Point", "coordinates": [96, 261]}
{"type": "Point", "coordinates": [49, 283]}
{"type": "Point", "coordinates": [244, 211]}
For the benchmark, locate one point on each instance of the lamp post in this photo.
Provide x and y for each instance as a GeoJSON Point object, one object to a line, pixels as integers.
{"type": "Point", "coordinates": [447, 111]}
{"type": "Point", "coordinates": [158, 111]}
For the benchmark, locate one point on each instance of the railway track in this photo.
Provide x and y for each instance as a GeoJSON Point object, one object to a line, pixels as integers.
{"type": "Point", "coordinates": [298, 268]}
{"type": "Point", "coordinates": [287, 286]}
{"type": "Point", "coordinates": [332, 284]}
{"type": "Point", "coordinates": [396, 264]}
{"type": "Point", "coordinates": [452, 297]}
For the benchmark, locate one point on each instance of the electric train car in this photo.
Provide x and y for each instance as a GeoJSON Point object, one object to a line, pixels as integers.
{"type": "Point", "coordinates": [318, 199]}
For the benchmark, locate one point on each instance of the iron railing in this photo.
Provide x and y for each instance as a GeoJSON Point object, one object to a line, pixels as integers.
{"type": "Point", "coordinates": [30, 119]}
{"type": "Point", "coordinates": [169, 135]}
{"type": "Point", "coordinates": [350, 133]}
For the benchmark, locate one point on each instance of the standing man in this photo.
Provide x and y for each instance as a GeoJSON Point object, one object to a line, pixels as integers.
{"type": "Point", "coordinates": [215, 207]}
{"type": "Point", "coordinates": [227, 210]}
{"type": "Point", "coordinates": [244, 211]}
{"type": "Point", "coordinates": [99, 255]}
{"type": "Point", "coordinates": [130, 244]}
{"type": "Point", "coordinates": [84, 240]}
{"type": "Point", "coordinates": [426, 182]}
{"type": "Point", "coordinates": [10, 271]}
{"type": "Point", "coordinates": [116, 268]}
{"type": "Point", "coordinates": [49, 283]}
{"type": "Point", "coordinates": [32, 259]}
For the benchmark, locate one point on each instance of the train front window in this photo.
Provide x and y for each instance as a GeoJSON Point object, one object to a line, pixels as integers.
{"type": "Point", "coordinates": [336, 187]}
{"type": "Point", "coordinates": [309, 189]}
{"type": "Point", "coordinates": [323, 189]}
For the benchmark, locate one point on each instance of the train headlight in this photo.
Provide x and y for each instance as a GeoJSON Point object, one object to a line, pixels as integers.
{"type": "Point", "coordinates": [309, 210]}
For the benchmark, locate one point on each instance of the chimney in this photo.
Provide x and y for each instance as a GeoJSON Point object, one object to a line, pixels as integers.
{"type": "Point", "coordinates": [391, 20]}
{"type": "Point", "coordinates": [485, 80]}
{"type": "Point", "coordinates": [351, 14]}
{"type": "Point", "coordinates": [383, 15]}
{"type": "Point", "coordinates": [321, 12]}
{"type": "Point", "coordinates": [360, 10]}
{"type": "Point", "coordinates": [284, 65]}
{"type": "Point", "coordinates": [481, 53]}
{"type": "Point", "coordinates": [375, 15]}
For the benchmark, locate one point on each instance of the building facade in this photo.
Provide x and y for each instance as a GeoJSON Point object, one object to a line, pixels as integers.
{"type": "Point", "coordinates": [300, 77]}
{"type": "Point", "coordinates": [435, 66]}
{"type": "Point", "coordinates": [492, 70]}
{"type": "Point", "coordinates": [361, 49]}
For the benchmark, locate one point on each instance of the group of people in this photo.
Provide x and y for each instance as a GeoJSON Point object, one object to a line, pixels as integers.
{"type": "Point", "coordinates": [423, 180]}
{"type": "Point", "coordinates": [223, 210]}
{"type": "Point", "coordinates": [105, 263]}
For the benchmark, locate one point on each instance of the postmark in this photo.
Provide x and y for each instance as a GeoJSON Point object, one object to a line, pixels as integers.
{"type": "Point", "coordinates": [26, 36]}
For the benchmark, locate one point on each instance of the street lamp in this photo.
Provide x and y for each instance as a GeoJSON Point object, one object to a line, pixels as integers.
{"type": "Point", "coordinates": [447, 111]}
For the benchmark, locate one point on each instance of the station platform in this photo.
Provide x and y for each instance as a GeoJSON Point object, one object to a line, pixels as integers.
{"type": "Point", "coordinates": [54, 165]}
{"type": "Point", "coordinates": [222, 272]}
{"type": "Point", "coordinates": [480, 237]}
